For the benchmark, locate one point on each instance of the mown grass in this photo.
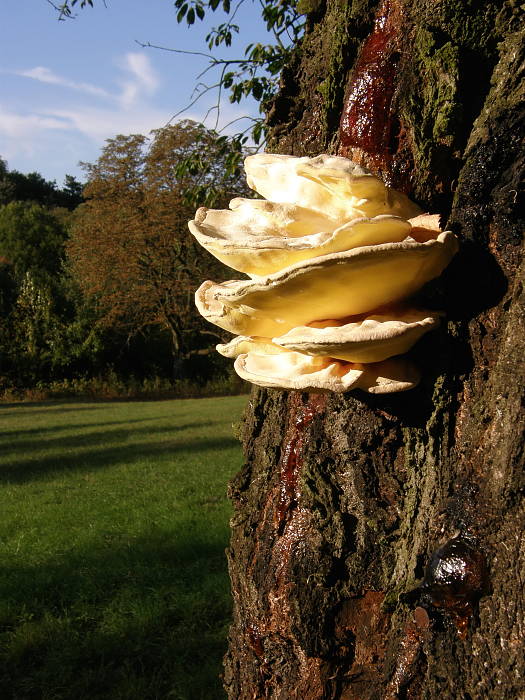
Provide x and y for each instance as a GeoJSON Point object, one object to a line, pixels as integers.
{"type": "Point", "coordinates": [113, 524]}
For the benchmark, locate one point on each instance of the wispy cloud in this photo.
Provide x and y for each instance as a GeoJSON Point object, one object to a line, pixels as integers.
{"type": "Point", "coordinates": [140, 80]}
{"type": "Point", "coordinates": [100, 124]}
{"type": "Point", "coordinates": [45, 75]}
{"type": "Point", "coordinates": [74, 126]}
{"type": "Point", "coordinates": [128, 109]}
{"type": "Point", "coordinates": [20, 126]}
{"type": "Point", "coordinates": [143, 78]}
{"type": "Point", "coordinates": [29, 136]}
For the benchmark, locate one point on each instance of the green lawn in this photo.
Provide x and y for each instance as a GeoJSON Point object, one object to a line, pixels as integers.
{"type": "Point", "coordinates": [113, 524]}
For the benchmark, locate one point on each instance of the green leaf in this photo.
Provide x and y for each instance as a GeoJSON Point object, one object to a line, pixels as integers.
{"type": "Point", "coordinates": [181, 13]}
{"type": "Point", "coordinates": [257, 131]}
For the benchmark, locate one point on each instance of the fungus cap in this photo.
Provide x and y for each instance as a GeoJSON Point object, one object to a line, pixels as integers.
{"type": "Point", "coordinates": [373, 338]}
{"type": "Point", "coordinates": [325, 184]}
{"type": "Point", "coordinates": [242, 344]}
{"type": "Point", "coordinates": [259, 237]}
{"type": "Point", "coordinates": [332, 286]}
{"type": "Point", "coordinates": [293, 370]}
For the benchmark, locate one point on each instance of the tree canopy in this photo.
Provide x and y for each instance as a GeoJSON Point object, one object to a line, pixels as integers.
{"type": "Point", "coordinates": [32, 187]}
{"type": "Point", "coordinates": [31, 239]}
{"type": "Point", "coordinates": [130, 248]}
{"type": "Point", "coordinates": [110, 284]}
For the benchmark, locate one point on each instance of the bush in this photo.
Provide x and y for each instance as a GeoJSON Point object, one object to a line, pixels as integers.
{"type": "Point", "coordinates": [112, 386]}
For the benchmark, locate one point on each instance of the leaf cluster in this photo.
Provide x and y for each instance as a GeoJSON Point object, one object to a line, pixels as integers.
{"type": "Point", "coordinates": [65, 9]}
{"type": "Point", "coordinates": [256, 73]}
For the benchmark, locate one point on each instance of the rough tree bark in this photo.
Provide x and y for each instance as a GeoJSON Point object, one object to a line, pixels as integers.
{"type": "Point", "coordinates": [376, 544]}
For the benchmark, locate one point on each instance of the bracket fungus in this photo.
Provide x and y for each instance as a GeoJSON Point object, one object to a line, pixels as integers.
{"type": "Point", "coordinates": [268, 364]}
{"type": "Point", "coordinates": [327, 184]}
{"type": "Point", "coordinates": [373, 338]}
{"type": "Point", "coordinates": [259, 240]}
{"type": "Point", "coordinates": [332, 253]}
{"type": "Point", "coordinates": [329, 286]}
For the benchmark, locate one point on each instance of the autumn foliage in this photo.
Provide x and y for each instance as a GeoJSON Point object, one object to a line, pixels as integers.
{"type": "Point", "coordinates": [130, 248]}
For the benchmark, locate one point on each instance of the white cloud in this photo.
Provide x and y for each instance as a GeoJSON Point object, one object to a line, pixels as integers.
{"type": "Point", "coordinates": [45, 75]}
{"type": "Point", "coordinates": [140, 66]}
{"type": "Point", "coordinates": [63, 128]}
{"type": "Point", "coordinates": [127, 110]}
{"type": "Point", "coordinates": [26, 137]}
{"type": "Point", "coordinates": [20, 126]}
{"type": "Point", "coordinates": [100, 124]}
{"type": "Point", "coordinates": [143, 79]}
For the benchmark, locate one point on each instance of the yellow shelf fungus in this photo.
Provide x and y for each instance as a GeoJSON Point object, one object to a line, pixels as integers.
{"type": "Point", "coordinates": [330, 286]}
{"type": "Point", "coordinates": [332, 252]}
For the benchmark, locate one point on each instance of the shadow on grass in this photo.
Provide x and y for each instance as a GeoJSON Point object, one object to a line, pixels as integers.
{"type": "Point", "coordinates": [62, 405]}
{"type": "Point", "coordinates": [23, 470]}
{"type": "Point", "coordinates": [86, 434]}
{"type": "Point", "coordinates": [139, 620]}
{"type": "Point", "coordinates": [27, 433]}
{"type": "Point", "coordinates": [52, 406]}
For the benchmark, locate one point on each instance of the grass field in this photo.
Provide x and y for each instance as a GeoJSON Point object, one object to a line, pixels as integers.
{"type": "Point", "coordinates": [113, 524]}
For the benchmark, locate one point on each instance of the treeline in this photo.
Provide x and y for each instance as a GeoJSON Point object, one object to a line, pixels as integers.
{"type": "Point", "coordinates": [97, 280]}
{"type": "Point", "coordinates": [18, 187]}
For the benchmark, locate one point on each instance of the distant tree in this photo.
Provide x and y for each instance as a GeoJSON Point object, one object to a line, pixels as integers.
{"type": "Point", "coordinates": [7, 289]}
{"type": "Point", "coordinates": [32, 187]}
{"type": "Point", "coordinates": [31, 240]}
{"type": "Point", "coordinates": [130, 247]}
{"type": "Point", "coordinates": [72, 189]}
{"type": "Point", "coordinates": [7, 188]}
{"type": "Point", "coordinates": [44, 334]}
{"type": "Point", "coordinates": [46, 328]}
{"type": "Point", "coordinates": [32, 327]}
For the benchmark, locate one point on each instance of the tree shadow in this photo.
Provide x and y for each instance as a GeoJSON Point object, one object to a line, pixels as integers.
{"type": "Point", "coordinates": [471, 284]}
{"type": "Point", "coordinates": [23, 470]}
{"type": "Point", "coordinates": [27, 433]}
{"type": "Point", "coordinates": [82, 439]}
{"type": "Point", "coordinates": [140, 619]}
{"type": "Point", "coordinates": [56, 405]}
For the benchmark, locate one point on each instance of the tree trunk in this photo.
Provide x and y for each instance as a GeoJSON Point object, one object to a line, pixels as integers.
{"type": "Point", "coordinates": [376, 544]}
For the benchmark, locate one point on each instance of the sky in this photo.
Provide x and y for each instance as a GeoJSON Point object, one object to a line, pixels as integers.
{"type": "Point", "coordinates": [68, 86]}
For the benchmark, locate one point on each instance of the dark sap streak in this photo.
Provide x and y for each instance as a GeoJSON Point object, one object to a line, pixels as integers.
{"type": "Point", "coordinates": [366, 121]}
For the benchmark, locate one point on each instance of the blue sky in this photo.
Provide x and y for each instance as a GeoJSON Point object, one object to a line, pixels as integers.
{"type": "Point", "coordinates": [68, 86]}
